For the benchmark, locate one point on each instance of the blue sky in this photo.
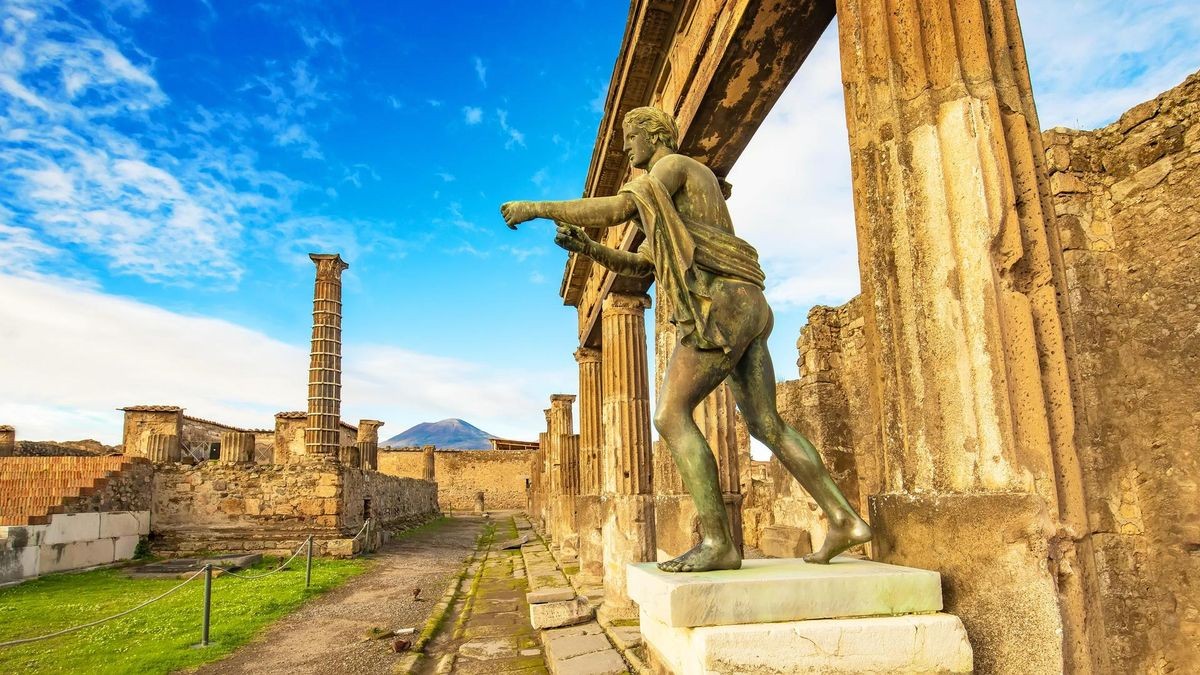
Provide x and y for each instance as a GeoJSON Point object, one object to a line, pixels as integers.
{"type": "Point", "coordinates": [168, 165]}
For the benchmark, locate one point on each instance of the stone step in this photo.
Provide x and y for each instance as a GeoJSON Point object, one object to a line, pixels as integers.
{"type": "Point", "coordinates": [772, 590]}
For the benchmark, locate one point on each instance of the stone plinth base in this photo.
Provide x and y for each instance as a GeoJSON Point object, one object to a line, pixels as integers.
{"type": "Point", "coordinates": [628, 538]}
{"type": "Point", "coordinates": [783, 590]}
{"type": "Point", "coordinates": [915, 643]}
{"type": "Point", "coordinates": [785, 616]}
{"type": "Point", "coordinates": [590, 520]}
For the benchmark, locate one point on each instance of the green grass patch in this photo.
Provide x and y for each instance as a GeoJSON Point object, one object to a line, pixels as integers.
{"type": "Point", "coordinates": [158, 638]}
{"type": "Point", "coordinates": [429, 526]}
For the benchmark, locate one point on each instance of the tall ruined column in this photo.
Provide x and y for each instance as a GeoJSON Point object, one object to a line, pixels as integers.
{"type": "Point", "coordinates": [368, 443]}
{"type": "Point", "coordinates": [8, 441]}
{"type": "Point", "coordinates": [962, 274]}
{"type": "Point", "coordinates": [629, 502]}
{"type": "Point", "coordinates": [566, 478]}
{"type": "Point", "coordinates": [321, 437]}
{"type": "Point", "coordinates": [430, 462]}
{"type": "Point", "coordinates": [538, 493]}
{"type": "Point", "coordinates": [588, 518]}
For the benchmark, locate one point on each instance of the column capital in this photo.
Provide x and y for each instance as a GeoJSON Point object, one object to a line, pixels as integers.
{"type": "Point", "coordinates": [562, 399]}
{"type": "Point", "coordinates": [329, 265]}
{"type": "Point", "coordinates": [622, 303]}
{"type": "Point", "coordinates": [587, 355]}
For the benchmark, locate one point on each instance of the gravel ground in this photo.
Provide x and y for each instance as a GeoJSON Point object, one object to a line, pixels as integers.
{"type": "Point", "coordinates": [327, 635]}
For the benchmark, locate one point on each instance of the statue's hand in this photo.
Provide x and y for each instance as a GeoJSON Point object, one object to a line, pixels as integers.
{"type": "Point", "coordinates": [572, 237]}
{"type": "Point", "coordinates": [517, 212]}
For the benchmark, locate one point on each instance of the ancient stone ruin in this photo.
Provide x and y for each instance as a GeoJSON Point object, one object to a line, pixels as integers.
{"type": "Point", "coordinates": [1011, 398]}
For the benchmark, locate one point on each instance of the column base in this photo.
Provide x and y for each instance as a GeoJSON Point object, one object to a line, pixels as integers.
{"type": "Point", "coordinates": [628, 538]}
{"type": "Point", "coordinates": [589, 519]}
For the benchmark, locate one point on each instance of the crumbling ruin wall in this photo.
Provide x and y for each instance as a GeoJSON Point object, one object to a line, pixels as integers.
{"type": "Point", "coordinates": [87, 448]}
{"type": "Point", "coordinates": [395, 502]}
{"type": "Point", "coordinates": [1127, 203]}
{"type": "Point", "coordinates": [500, 474]}
{"type": "Point", "coordinates": [1127, 199]}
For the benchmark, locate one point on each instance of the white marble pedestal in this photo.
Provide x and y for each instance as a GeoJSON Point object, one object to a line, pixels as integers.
{"type": "Point", "coordinates": [788, 616]}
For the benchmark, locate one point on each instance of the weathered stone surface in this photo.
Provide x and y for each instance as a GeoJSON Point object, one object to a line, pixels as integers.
{"type": "Point", "coordinates": [595, 663]}
{"type": "Point", "coordinates": [781, 541]}
{"type": "Point", "coordinates": [500, 474]}
{"type": "Point", "coordinates": [549, 595]}
{"type": "Point", "coordinates": [562, 613]}
{"type": "Point", "coordinates": [925, 643]}
{"type": "Point", "coordinates": [783, 590]}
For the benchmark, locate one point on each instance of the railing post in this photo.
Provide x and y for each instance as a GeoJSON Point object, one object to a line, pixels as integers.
{"type": "Point", "coordinates": [367, 543]}
{"type": "Point", "coordinates": [207, 604]}
{"type": "Point", "coordinates": [308, 565]}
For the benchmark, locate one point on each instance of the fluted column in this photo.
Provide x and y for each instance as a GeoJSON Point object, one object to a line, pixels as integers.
{"type": "Point", "coordinates": [321, 437]}
{"type": "Point", "coordinates": [350, 455]}
{"type": "Point", "coordinates": [588, 517]}
{"type": "Point", "coordinates": [565, 455]}
{"type": "Point", "coordinates": [368, 443]}
{"type": "Point", "coordinates": [962, 271]}
{"type": "Point", "coordinates": [629, 518]}
{"type": "Point", "coordinates": [237, 447]}
{"type": "Point", "coordinates": [8, 441]}
{"type": "Point", "coordinates": [163, 448]}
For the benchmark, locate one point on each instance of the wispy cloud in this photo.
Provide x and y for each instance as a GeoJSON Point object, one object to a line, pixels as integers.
{"type": "Point", "coordinates": [1113, 56]}
{"type": "Point", "coordinates": [446, 177]}
{"type": "Point", "coordinates": [472, 115]}
{"type": "Point", "coordinates": [79, 345]}
{"type": "Point", "coordinates": [396, 103]}
{"type": "Point", "coordinates": [434, 102]}
{"type": "Point", "coordinates": [522, 254]}
{"type": "Point", "coordinates": [536, 277]}
{"type": "Point", "coordinates": [481, 71]}
{"type": "Point", "coordinates": [515, 137]}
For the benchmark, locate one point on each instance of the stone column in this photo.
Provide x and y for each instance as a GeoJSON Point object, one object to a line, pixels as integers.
{"type": "Point", "coordinates": [588, 518]}
{"type": "Point", "coordinates": [321, 437]}
{"type": "Point", "coordinates": [629, 517]}
{"type": "Point", "coordinates": [368, 443]}
{"type": "Point", "coordinates": [962, 274]}
{"type": "Point", "coordinates": [538, 493]}
{"type": "Point", "coordinates": [430, 463]}
{"type": "Point", "coordinates": [566, 475]}
{"type": "Point", "coordinates": [8, 441]}
{"type": "Point", "coordinates": [163, 448]}
{"type": "Point", "coordinates": [350, 455]}
{"type": "Point", "coordinates": [237, 447]}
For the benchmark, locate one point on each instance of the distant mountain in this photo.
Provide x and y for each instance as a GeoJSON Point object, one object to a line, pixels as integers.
{"type": "Point", "coordinates": [452, 434]}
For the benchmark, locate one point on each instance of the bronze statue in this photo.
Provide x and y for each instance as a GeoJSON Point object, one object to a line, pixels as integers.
{"type": "Point", "coordinates": [715, 288]}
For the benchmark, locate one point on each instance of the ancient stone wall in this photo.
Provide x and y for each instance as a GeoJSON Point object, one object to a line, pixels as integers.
{"type": "Point", "coordinates": [500, 474]}
{"type": "Point", "coordinates": [142, 421]}
{"type": "Point", "coordinates": [395, 502]}
{"type": "Point", "coordinates": [1128, 203]}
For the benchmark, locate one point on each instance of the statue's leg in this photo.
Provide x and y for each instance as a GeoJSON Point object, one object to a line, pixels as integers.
{"type": "Point", "coordinates": [753, 384]}
{"type": "Point", "coordinates": [691, 375]}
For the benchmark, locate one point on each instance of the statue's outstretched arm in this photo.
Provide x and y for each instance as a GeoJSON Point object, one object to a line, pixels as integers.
{"type": "Point", "coordinates": [573, 238]}
{"type": "Point", "coordinates": [587, 212]}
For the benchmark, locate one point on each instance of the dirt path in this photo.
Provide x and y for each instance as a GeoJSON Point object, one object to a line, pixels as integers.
{"type": "Point", "coordinates": [326, 635]}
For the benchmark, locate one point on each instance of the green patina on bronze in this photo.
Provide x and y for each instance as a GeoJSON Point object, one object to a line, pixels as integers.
{"type": "Point", "coordinates": [714, 285]}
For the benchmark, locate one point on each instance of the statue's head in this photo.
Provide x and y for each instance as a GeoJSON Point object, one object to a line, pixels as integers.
{"type": "Point", "coordinates": [646, 130]}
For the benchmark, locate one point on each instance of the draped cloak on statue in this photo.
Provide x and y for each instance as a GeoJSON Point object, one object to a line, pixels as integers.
{"type": "Point", "coordinates": [688, 256]}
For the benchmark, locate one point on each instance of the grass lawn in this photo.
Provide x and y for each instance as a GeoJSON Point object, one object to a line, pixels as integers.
{"type": "Point", "coordinates": [158, 638]}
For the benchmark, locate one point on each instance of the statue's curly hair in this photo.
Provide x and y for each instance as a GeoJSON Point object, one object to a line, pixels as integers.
{"type": "Point", "coordinates": [657, 124]}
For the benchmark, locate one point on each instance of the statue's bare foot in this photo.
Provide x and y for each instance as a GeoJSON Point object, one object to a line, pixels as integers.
{"type": "Point", "coordinates": [839, 539]}
{"type": "Point", "coordinates": [704, 557]}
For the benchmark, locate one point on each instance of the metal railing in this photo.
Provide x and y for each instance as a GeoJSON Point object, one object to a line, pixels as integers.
{"type": "Point", "coordinates": [206, 609]}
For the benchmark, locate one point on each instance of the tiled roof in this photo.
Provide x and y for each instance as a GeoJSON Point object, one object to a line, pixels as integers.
{"type": "Point", "coordinates": [291, 415]}
{"type": "Point", "coordinates": [151, 408]}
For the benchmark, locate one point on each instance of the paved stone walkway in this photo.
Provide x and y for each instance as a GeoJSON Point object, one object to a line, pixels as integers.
{"type": "Point", "coordinates": [488, 630]}
{"type": "Point", "coordinates": [327, 634]}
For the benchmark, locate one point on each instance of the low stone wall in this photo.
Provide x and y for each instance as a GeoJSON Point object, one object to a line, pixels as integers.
{"type": "Point", "coordinates": [395, 502]}
{"type": "Point", "coordinates": [62, 449]}
{"type": "Point", "coordinates": [500, 474]}
{"type": "Point", "coordinates": [70, 542]}
{"type": "Point", "coordinates": [273, 508]}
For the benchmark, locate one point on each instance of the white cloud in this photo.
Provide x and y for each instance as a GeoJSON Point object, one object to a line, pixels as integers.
{"type": "Point", "coordinates": [536, 277]}
{"type": "Point", "coordinates": [791, 189]}
{"type": "Point", "coordinates": [85, 353]}
{"type": "Point", "coordinates": [481, 71]}
{"type": "Point", "coordinates": [515, 137]}
{"type": "Point", "coordinates": [472, 115]}
{"type": "Point", "coordinates": [446, 177]}
{"type": "Point", "coordinates": [1091, 60]}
